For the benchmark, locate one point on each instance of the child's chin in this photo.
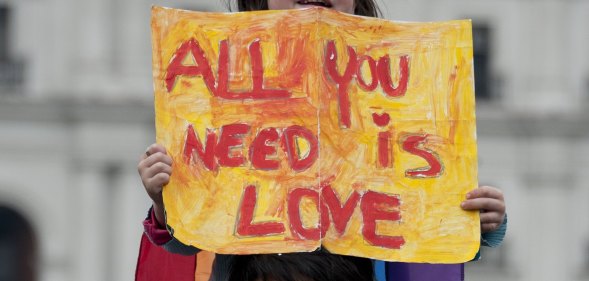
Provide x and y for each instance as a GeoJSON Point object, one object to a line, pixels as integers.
{"type": "Point", "coordinates": [303, 6]}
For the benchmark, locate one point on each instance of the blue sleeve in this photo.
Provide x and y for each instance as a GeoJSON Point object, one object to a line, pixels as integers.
{"type": "Point", "coordinates": [494, 239]}
{"type": "Point", "coordinates": [176, 247]}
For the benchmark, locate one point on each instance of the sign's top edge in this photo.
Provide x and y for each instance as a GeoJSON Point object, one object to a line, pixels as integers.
{"type": "Point", "coordinates": [317, 10]}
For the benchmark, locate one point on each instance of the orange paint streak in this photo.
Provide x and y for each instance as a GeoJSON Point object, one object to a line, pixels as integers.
{"type": "Point", "coordinates": [426, 94]}
{"type": "Point", "coordinates": [454, 106]}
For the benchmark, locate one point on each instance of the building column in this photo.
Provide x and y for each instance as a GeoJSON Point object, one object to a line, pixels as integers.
{"type": "Point", "coordinates": [91, 251]}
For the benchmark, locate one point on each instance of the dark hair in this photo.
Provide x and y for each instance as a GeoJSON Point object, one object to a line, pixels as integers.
{"type": "Point", "coordinates": [367, 8]}
{"type": "Point", "coordinates": [17, 239]}
{"type": "Point", "coordinates": [315, 266]}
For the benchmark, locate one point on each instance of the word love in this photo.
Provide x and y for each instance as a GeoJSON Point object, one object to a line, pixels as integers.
{"type": "Point", "coordinates": [374, 206]}
{"type": "Point", "coordinates": [219, 86]}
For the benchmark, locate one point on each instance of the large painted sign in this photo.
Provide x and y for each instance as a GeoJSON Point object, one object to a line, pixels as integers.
{"type": "Point", "coordinates": [298, 129]}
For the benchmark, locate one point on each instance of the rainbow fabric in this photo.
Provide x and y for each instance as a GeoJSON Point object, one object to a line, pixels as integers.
{"type": "Point", "coordinates": [156, 264]}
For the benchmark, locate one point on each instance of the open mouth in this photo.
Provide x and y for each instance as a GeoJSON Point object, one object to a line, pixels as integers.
{"type": "Point", "coordinates": [319, 3]}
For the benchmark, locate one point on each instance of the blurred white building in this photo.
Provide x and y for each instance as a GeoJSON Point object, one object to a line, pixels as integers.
{"type": "Point", "coordinates": [76, 111]}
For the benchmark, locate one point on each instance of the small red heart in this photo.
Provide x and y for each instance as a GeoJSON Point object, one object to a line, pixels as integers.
{"type": "Point", "coordinates": [381, 120]}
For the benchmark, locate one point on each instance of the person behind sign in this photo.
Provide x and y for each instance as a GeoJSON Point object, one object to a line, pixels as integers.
{"type": "Point", "coordinates": [155, 168]}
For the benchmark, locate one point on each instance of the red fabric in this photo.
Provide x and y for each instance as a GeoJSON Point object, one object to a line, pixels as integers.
{"type": "Point", "coordinates": [156, 232]}
{"type": "Point", "coordinates": [156, 264]}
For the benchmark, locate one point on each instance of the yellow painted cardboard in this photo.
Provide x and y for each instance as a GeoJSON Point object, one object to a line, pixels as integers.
{"type": "Point", "coordinates": [394, 135]}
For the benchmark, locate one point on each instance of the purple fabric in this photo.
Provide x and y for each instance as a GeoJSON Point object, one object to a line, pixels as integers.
{"type": "Point", "coordinates": [397, 271]}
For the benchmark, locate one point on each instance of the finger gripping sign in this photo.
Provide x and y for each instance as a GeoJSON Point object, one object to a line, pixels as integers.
{"type": "Point", "coordinates": [298, 129]}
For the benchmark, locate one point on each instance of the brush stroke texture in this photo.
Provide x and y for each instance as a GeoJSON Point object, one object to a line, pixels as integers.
{"type": "Point", "coordinates": [202, 206]}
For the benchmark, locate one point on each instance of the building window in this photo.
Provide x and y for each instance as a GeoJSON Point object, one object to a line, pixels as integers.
{"type": "Point", "coordinates": [11, 69]}
{"type": "Point", "coordinates": [4, 28]}
{"type": "Point", "coordinates": [484, 84]}
{"type": "Point", "coordinates": [17, 247]}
